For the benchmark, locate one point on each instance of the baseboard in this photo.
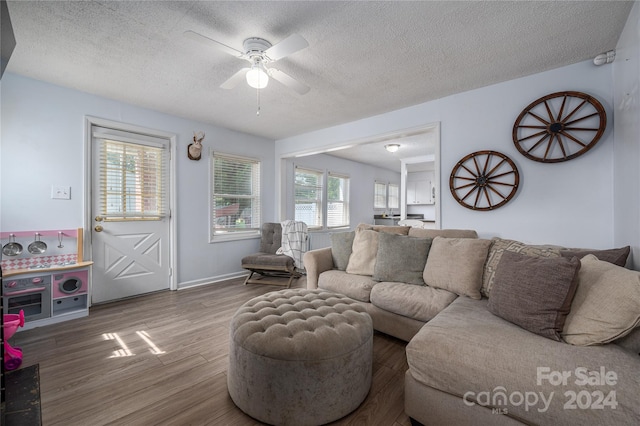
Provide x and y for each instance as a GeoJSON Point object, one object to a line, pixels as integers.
{"type": "Point", "coordinates": [211, 280]}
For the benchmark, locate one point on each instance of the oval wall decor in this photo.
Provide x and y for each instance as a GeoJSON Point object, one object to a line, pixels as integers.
{"type": "Point", "coordinates": [484, 180]}
{"type": "Point", "coordinates": [559, 127]}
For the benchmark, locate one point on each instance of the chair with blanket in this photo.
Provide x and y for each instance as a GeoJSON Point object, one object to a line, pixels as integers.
{"type": "Point", "coordinates": [270, 266]}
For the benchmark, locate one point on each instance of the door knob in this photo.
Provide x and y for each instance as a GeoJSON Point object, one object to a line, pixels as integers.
{"type": "Point", "coordinates": [98, 228]}
{"type": "Point", "coordinates": [99, 219]}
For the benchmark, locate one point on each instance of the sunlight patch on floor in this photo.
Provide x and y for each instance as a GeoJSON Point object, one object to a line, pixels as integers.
{"type": "Point", "coordinates": [124, 350]}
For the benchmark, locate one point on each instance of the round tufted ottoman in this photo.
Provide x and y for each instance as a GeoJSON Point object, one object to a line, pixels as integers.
{"type": "Point", "coordinates": [300, 357]}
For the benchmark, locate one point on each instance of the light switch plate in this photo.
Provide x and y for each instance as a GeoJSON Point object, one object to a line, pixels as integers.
{"type": "Point", "coordinates": [60, 192]}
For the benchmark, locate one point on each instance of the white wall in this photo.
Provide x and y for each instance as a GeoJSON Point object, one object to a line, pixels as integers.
{"type": "Point", "coordinates": [568, 203]}
{"type": "Point", "coordinates": [361, 183]}
{"type": "Point", "coordinates": [42, 141]}
{"type": "Point", "coordinates": [626, 92]}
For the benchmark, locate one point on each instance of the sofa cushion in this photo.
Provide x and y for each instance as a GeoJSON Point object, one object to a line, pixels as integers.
{"type": "Point", "coordinates": [499, 246]}
{"type": "Point", "coordinates": [401, 258]}
{"type": "Point", "coordinates": [363, 253]}
{"type": "Point", "coordinates": [631, 341]}
{"type": "Point", "coordinates": [341, 246]}
{"type": "Point", "coordinates": [357, 287]}
{"type": "Point", "coordinates": [535, 293]}
{"type": "Point", "coordinates": [456, 264]}
{"type": "Point", "coordinates": [606, 306]}
{"type": "Point", "coordinates": [418, 302]}
{"type": "Point", "coordinates": [617, 256]}
{"type": "Point", "coordinates": [448, 233]}
{"type": "Point", "coordinates": [267, 259]}
{"type": "Point", "coordinates": [468, 352]}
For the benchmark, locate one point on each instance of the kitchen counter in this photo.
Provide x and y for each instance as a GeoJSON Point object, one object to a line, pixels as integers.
{"type": "Point", "coordinates": [379, 219]}
{"type": "Point", "coordinates": [397, 216]}
{"type": "Point", "coordinates": [52, 268]}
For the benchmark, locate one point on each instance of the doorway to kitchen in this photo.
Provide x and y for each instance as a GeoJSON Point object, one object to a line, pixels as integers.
{"type": "Point", "coordinates": [416, 145]}
{"type": "Point", "coordinates": [129, 203]}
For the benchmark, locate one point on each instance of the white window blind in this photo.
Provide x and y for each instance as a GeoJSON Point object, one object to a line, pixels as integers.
{"type": "Point", "coordinates": [308, 197]}
{"type": "Point", "coordinates": [236, 194]}
{"type": "Point", "coordinates": [393, 200]}
{"type": "Point", "coordinates": [337, 200]}
{"type": "Point", "coordinates": [133, 172]}
{"type": "Point", "coordinates": [380, 195]}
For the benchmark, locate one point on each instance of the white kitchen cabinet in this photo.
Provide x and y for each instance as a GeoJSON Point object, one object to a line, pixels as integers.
{"type": "Point", "coordinates": [419, 192]}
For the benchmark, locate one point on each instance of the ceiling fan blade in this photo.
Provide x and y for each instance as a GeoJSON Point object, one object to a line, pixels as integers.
{"type": "Point", "coordinates": [234, 79]}
{"type": "Point", "coordinates": [286, 47]}
{"type": "Point", "coordinates": [289, 81]}
{"type": "Point", "coordinates": [212, 43]}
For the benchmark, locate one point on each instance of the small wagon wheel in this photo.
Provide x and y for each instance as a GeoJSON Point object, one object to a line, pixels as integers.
{"type": "Point", "coordinates": [559, 127]}
{"type": "Point", "coordinates": [484, 180]}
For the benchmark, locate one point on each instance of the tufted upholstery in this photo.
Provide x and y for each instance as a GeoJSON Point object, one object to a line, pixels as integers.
{"type": "Point", "coordinates": [266, 263]}
{"type": "Point", "coordinates": [300, 357]}
{"type": "Point", "coordinates": [270, 237]}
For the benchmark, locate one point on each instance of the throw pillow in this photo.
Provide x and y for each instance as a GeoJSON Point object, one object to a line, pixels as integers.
{"type": "Point", "coordinates": [456, 264]}
{"type": "Point", "coordinates": [617, 256]}
{"type": "Point", "coordinates": [401, 258]}
{"type": "Point", "coordinates": [499, 246]}
{"type": "Point", "coordinates": [363, 253]}
{"type": "Point", "coordinates": [534, 292]}
{"type": "Point", "coordinates": [606, 306]}
{"type": "Point", "coordinates": [341, 246]}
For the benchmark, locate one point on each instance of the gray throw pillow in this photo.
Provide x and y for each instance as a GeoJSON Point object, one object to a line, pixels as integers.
{"type": "Point", "coordinates": [534, 292]}
{"type": "Point", "coordinates": [617, 256]}
{"type": "Point", "coordinates": [401, 258]}
{"type": "Point", "coordinates": [341, 243]}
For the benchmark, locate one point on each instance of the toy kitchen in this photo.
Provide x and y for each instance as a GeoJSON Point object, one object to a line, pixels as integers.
{"type": "Point", "coordinates": [45, 276]}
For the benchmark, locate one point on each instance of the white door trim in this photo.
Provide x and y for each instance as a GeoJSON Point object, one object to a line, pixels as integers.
{"type": "Point", "coordinates": [87, 202]}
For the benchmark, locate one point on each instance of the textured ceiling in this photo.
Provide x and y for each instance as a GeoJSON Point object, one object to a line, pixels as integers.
{"type": "Point", "coordinates": [364, 58]}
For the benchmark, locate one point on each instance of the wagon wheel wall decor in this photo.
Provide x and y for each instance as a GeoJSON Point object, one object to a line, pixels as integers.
{"type": "Point", "coordinates": [559, 127]}
{"type": "Point", "coordinates": [484, 180]}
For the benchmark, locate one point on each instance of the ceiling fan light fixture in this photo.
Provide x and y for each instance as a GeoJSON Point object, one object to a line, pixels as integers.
{"type": "Point", "coordinates": [392, 147]}
{"type": "Point", "coordinates": [257, 77]}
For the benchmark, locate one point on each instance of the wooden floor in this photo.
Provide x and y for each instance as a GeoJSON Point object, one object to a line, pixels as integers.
{"type": "Point", "coordinates": [161, 359]}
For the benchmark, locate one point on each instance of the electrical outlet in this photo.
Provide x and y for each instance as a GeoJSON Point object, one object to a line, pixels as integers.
{"type": "Point", "coordinates": [60, 192]}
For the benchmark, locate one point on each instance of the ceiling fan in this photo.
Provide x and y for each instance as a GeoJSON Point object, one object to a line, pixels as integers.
{"type": "Point", "coordinates": [259, 52]}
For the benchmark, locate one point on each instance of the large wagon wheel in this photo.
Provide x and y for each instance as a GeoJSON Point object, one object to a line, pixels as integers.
{"type": "Point", "coordinates": [484, 180]}
{"type": "Point", "coordinates": [559, 127]}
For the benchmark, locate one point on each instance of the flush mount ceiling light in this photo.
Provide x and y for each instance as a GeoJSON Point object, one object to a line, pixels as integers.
{"type": "Point", "coordinates": [392, 147]}
{"type": "Point", "coordinates": [605, 58]}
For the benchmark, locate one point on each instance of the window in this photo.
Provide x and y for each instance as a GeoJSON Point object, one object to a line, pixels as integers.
{"type": "Point", "coordinates": [394, 196]}
{"type": "Point", "coordinates": [133, 176]}
{"type": "Point", "coordinates": [337, 200]}
{"type": "Point", "coordinates": [380, 195]}
{"type": "Point", "coordinates": [386, 196]}
{"type": "Point", "coordinates": [308, 197]}
{"type": "Point", "coordinates": [235, 205]}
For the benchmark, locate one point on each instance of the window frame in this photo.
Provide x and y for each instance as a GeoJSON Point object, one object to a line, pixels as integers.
{"type": "Point", "coordinates": [323, 203]}
{"type": "Point", "coordinates": [376, 195]}
{"type": "Point", "coordinates": [391, 196]}
{"type": "Point", "coordinates": [320, 190]}
{"type": "Point", "coordinates": [229, 234]}
{"type": "Point", "coordinates": [388, 196]}
{"type": "Point", "coordinates": [346, 207]}
{"type": "Point", "coordinates": [144, 185]}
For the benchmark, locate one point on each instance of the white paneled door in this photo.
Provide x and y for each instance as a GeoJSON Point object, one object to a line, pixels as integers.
{"type": "Point", "coordinates": [130, 214]}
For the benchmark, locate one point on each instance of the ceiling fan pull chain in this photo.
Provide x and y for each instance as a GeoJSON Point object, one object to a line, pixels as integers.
{"type": "Point", "coordinates": [258, 101]}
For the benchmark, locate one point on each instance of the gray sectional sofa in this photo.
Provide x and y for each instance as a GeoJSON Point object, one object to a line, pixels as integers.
{"type": "Point", "coordinates": [482, 348]}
